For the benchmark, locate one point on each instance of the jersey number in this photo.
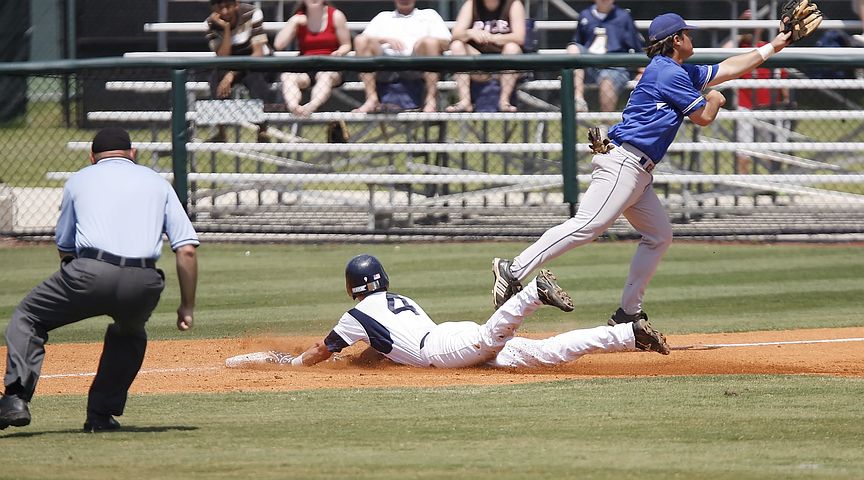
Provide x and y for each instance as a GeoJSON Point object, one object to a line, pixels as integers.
{"type": "Point", "coordinates": [391, 304]}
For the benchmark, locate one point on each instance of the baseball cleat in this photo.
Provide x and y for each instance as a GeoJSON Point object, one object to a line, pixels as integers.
{"type": "Point", "coordinates": [648, 339]}
{"type": "Point", "coordinates": [551, 294]}
{"type": "Point", "coordinates": [13, 412]}
{"type": "Point", "coordinates": [259, 358]}
{"type": "Point", "coordinates": [506, 285]}
{"type": "Point", "coordinates": [620, 316]}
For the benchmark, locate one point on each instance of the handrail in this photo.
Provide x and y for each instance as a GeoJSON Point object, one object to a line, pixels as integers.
{"type": "Point", "coordinates": [851, 58]}
{"type": "Point", "coordinates": [548, 25]}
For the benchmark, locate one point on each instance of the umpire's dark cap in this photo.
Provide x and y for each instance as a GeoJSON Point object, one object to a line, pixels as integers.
{"type": "Point", "coordinates": [111, 138]}
{"type": "Point", "coordinates": [664, 25]}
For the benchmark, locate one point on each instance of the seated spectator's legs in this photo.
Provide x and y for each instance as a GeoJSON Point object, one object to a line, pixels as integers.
{"type": "Point", "coordinates": [259, 87]}
{"type": "Point", "coordinates": [368, 47]}
{"type": "Point", "coordinates": [218, 90]}
{"type": "Point", "coordinates": [578, 80]}
{"type": "Point", "coordinates": [430, 47]}
{"type": "Point", "coordinates": [508, 80]}
{"type": "Point", "coordinates": [324, 83]}
{"type": "Point", "coordinates": [292, 84]}
{"type": "Point", "coordinates": [858, 6]}
{"type": "Point", "coordinates": [463, 80]}
{"type": "Point", "coordinates": [611, 82]}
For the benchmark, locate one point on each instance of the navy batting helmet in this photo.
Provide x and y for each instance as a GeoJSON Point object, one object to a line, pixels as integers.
{"type": "Point", "coordinates": [364, 274]}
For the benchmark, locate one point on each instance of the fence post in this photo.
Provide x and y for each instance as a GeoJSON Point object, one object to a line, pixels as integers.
{"type": "Point", "coordinates": [568, 140]}
{"type": "Point", "coordinates": [178, 136]}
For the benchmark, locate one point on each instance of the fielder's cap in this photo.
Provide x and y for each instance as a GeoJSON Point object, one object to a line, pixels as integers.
{"type": "Point", "coordinates": [111, 138]}
{"type": "Point", "coordinates": [664, 25]}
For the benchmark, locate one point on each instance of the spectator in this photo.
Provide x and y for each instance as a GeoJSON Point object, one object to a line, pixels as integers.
{"type": "Point", "coordinates": [404, 31]}
{"type": "Point", "coordinates": [754, 98]}
{"type": "Point", "coordinates": [319, 29]}
{"type": "Point", "coordinates": [488, 26]}
{"type": "Point", "coordinates": [237, 29]}
{"type": "Point", "coordinates": [858, 7]}
{"type": "Point", "coordinates": [604, 28]}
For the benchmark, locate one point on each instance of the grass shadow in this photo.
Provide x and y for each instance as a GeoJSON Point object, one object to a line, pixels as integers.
{"type": "Point", "coordinates": [130, 429]}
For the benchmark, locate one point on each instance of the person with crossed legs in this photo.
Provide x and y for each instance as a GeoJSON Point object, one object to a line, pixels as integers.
{"type": "Point", "coordinates": [397, 328]}
{"type": "Point", "coordinates": [109, 236]}
{"type": "Point", "coordinates": [621, 182]}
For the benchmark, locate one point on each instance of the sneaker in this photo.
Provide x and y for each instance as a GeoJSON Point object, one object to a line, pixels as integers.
{"type": "Point", "coordinates": [13, 412]}
{"type": "Point", "coordinates": [100, 423]}
{"type": "Point", "coordinates": [551, 294]}
{"type": "Point", "coordinates": [620, 316]}
{"type": "Point", "coordinates": [648, 339]}
{"type": "Point", "coordinates": [505, 285]}
{"type": "Point", "coordinates": [857, 40]}
{"type": "Point", "coordinates": [263, 136]}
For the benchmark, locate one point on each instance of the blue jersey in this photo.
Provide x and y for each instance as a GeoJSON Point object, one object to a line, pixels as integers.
{"type": "Point", "coordinates": [666, 93]}
{"type": "Point", "coordinates": [621, 33]}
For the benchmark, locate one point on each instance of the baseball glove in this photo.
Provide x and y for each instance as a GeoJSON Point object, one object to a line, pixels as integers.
{"type": "Point", "coordinates": [598, 141]}
{"type": "Point", "coordinates": [800, 17]}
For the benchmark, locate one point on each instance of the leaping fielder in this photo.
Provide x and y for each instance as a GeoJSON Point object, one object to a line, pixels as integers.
{"type": "Point", "coordinates": [398, 328]}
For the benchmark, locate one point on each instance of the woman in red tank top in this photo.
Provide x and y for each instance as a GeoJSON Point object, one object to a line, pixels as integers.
{"type": "Point", "coordinates": [319, 30]}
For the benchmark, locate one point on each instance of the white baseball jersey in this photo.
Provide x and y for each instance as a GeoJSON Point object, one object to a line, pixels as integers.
{"type": "Point", "coordinates": [398, 328]}
{"type": "Point", "coordinates": [392, 324]}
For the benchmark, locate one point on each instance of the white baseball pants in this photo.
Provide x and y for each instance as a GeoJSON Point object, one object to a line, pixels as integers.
{"type": "Point", "coordinates": [619, 185]}
{"type": "Point", "coordinates": [466, 344]}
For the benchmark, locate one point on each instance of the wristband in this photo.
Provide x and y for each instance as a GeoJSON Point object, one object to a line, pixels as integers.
{"type": "Point", "coordinates": [297, 361]}
{"type": "Point", "coordinates": [765, 51]}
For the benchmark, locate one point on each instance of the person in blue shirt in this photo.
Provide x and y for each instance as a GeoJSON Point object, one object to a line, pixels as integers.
{"type": "Point", "coordinates": [109, 236]}
{"type": "Point", "coordinates": [604, 28]}
{"type": "Point", "coordinates": [622, 180]}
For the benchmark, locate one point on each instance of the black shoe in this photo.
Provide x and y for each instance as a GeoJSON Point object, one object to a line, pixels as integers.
{"type": "Point", "coordinates": [648, 339]}
{"type": "Point", "coordinates": [101, 423]}
{"type": "Point", "coordinates": [551, 294]}
{"type": "Point", "coordinates": [13, 412]}
{"type": "Point", "coordinates": [505, 285]}
{"type": "Point", "coordinates": [620, 316]}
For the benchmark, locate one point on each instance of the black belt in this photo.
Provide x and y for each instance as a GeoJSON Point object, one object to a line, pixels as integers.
{"type": "Point", "coordinates": [108, 257]}
{"type": "Point", "coordinates": [423, 340]}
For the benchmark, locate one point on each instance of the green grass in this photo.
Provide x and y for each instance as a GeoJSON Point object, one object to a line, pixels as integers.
{"type": "Point", "coordinates": [299, 289]}
{"type": "Point", "coordinates": [711, 427]}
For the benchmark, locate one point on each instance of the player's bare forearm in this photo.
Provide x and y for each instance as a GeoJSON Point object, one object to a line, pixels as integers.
{"type": "Point", "coordinates": [734, 67]}
{"type": "Point", "coordinates": [705, 115]}
{"type": "Point", "coordinates": [315, 354]}
{"type": "Point", "coordinates": [187, 273]}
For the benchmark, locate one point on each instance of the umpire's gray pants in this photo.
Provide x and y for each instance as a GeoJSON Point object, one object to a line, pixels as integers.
{"type": "Point", "coordinates": [85, 288]}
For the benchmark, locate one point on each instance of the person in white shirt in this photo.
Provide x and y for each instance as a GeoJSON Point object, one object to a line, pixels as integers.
{"type": "Point", "coordinates": [404, 31]}
{"type": "Point", "coordinates": [397, 328]}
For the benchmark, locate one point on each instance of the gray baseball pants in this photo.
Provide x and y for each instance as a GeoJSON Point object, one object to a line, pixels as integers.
{"type": "Point", "coordinates": [81, 289]}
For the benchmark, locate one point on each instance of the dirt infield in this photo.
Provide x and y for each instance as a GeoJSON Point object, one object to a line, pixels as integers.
{"type": "Point", "coordinates": [197, 366]}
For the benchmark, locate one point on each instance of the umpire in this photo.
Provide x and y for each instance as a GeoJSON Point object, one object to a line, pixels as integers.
{"type": "Point", "coordinates": [109, 236]}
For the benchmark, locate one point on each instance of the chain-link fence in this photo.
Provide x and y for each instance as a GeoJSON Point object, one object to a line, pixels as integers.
{"type": "Point", "coordinates": [275, 157]}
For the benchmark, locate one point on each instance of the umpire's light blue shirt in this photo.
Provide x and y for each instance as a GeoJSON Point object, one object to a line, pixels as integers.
{"type": "Point", "coordinates": [122, 208]}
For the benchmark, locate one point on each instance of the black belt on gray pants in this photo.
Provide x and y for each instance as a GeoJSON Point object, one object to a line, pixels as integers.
{"type": "Point", "coordinates": [109, 257]}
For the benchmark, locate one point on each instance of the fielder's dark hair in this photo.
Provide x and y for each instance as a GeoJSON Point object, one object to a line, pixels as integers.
{"type": "Point", "coordinates": [662, 47]}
